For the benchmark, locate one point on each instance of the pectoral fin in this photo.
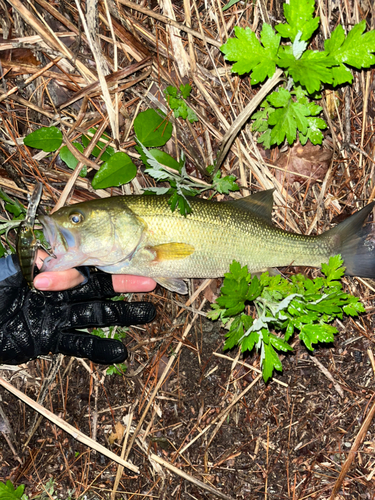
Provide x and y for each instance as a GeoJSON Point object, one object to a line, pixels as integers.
{"type": "Point", "coordinates": [173, 284]}
{"type": "Point", "coordinates": [172, 251]}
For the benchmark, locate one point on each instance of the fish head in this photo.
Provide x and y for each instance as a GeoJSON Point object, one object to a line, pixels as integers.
{"type": "Point", "coordinates": [90, 233]}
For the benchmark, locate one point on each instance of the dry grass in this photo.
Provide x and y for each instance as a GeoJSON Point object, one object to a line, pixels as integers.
{"type": "Point", "coordinates": [195, 423]}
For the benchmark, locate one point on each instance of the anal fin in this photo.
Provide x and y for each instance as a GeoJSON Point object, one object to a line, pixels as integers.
{"type": "Point", "coordinates": [173, 284]}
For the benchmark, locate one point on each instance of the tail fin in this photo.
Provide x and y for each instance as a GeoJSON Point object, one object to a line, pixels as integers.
{"type": "Point", "coordinates": [356, 244]}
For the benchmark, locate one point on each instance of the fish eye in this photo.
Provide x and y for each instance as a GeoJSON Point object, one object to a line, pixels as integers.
{"type": "Point", "coordinates": [76, 218]}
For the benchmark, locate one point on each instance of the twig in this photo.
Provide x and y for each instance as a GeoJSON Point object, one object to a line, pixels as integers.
{"type": "Point", "coordinates": [328, 374]}
{"type": "Point", "coordinates": [352, 453]}
{"type": "Point", "coordinates": [256, 370]}
{"type": "Point", "coordinates": [167, 20]}
{"type": "Point", "coordinates": [242, 118]}
{"type": "Point", "coordinates": [190, 478]}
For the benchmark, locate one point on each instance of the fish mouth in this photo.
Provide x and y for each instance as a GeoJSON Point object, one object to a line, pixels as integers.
{"type": "Point", "coordinates": [60, 242]}
{"type": "Point", "coordinates": [49, 230]}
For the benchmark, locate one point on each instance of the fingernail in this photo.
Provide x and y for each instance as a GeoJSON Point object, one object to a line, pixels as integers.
{"type": "Point", "coordinates": [42, 283]}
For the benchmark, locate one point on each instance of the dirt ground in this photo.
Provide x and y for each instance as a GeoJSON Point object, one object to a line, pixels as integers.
{"type": "Point", "coordinates": [287, 439]}
{"type": "Point", "coordinates": [199, 423]}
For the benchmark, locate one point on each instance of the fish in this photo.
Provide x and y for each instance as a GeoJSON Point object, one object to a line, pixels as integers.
{"type": "Point", "coordinates": [27, 243]}
{"type": "Point", "coordinates": [140, 235]}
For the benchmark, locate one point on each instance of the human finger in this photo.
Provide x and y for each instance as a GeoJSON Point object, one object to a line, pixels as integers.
{"type": "Point", "coordinates": [124, 283]}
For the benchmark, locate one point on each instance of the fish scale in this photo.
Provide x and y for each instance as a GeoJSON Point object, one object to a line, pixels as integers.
{"type": "Point", "coordinates": [141, 235]}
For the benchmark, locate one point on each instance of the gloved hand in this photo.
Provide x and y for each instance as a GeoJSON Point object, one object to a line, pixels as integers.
{"type": "Point", "coordinates": [34, 323]}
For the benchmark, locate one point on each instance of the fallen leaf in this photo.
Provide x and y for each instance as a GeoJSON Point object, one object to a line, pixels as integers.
{"type": "Point", "coordinates": [117, 435]}
{"type": "Point", "coordinates": [307, 163]}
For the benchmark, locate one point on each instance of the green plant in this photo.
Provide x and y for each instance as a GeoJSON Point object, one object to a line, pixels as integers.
{"type": "Point", "coordinates": [163, 167]}
{"type": "Point", "coordinates": [283, 306]}
{"type": "Point", "coordinates": [176, 100]}
{"type": "Point", "coordinates": [291, 109]}
{"type": "Point", "coordinates": [152, 130]}
{"type": "Point", "coordinates": [17, 213]}
{"type": "Point", "coordinates": [116, 169]}
{"type": "Point", "coordinates": [9, 492]}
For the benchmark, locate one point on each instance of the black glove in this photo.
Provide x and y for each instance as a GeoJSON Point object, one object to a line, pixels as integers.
{"type": "Point", "coordinates": [34, 322]}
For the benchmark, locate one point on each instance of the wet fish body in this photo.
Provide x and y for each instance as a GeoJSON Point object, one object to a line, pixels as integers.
{"type": "Point", "coordinates": [140, 235]}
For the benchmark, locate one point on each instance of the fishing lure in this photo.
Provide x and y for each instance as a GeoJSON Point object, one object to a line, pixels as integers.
{"type": "Point", "coordinates": [27, 243]}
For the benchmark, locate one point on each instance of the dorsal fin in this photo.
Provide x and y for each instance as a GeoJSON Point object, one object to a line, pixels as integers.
{"type": "Point", "coordinates": [260, 203]}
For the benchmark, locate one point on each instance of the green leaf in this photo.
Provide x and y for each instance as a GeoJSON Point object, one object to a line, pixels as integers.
{"type": "Point", "coordinates": [356, 49]}
{"type": "Point", "coordinates": [299, 14]}
{"type": "Point", "coordinates": [175, 102]}
{"type": "Point", "coordinates": [229, 4]}
{"type": "Point", "coordinates": [266, 139]}
{"type": "Point", "coordinates": [254, 290]}
{"type": "Point", "coordinates": [354, 307]}
{"type": "Point", "coordinates": [164, 159]}
{"type": "Point", "coordinates": [287, 119]}
{"type": "Point", "coordinates": [14, 209]}
{"type": "Point", "coordinates": [117, 369]}
{"type": "Point", "coordinates": [341, 74]}
{"type": "Point", "coordinates": [270, 362]}
{"type": "Point", "coordinates": [8, 492]}
{"type": "Point", "coordinates": [310, 70]}
{"type": "Point", "coordinates": [251, 55]}
{"type": "Point", "coordinates": [109, 151]}
{"type": "Point", "coordinates": [185, 90]}
{"type": "Point", "coordinates": [155, 168]}
{"type": "Point", "coordinates": [191, 115]}
{"type": "Point", "coordinates": [2, 250]}
{"type": "Point", "coordinates": [333, 270]}
{"type": "Point", "coordinates": [314, 127]}
{"type": "Point", "coordinates": [118, 170]}
{"type": "Point", "coordinates": [280, 343]}
{"type": "Point", "coordinates": [280, 98]}
{"type": "Point", "coordinates": [12, 206]}
{"type": "Point", "coordinates": [172, 91]}
{"type": "Point", "coordinates": [312, 334]}
{"type": "Point", "coordinates": [178, 200]}
{"type": "Point", "coordinates": [235, 333]}
{"type": "Point", "coordinates": [5, 197]}
{"type": "Point", "coordinates": [152, 128]}
{"type": "Point", "coordinates": [249, 341]}
{"type": "Point", "coordinates": [224, 184]}
{"type": "Point", "coordinates": [181, 109]}
{"type": "Point", "coordinates": [46, 138]}
{"type": "Point", "coordinates": [282, 306]}
{"type": "Point", "coordinates": [70, 160]}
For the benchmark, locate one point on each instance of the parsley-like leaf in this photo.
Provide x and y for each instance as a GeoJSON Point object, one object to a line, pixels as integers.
{"type": "Point", "coordinates": [289, 117]}
{"type": "Point", "coordinates": [310, 70]}
{"type": "Point", "coordinates": [284, 306]}
{"type": "Point", "coordinates": [356, 49]}
{"type": "Point", "coordinates": [224, 184]}
{"type": "Point", "coordinates": [9, 492]}
{"type": "Point", "coordinates": [251, 55]}
{"type": "Point", "coordinates": [299, 14]}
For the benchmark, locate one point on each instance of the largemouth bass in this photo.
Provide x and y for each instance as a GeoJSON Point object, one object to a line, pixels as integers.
{"type": "Point", "coordinates": [141, 235]}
